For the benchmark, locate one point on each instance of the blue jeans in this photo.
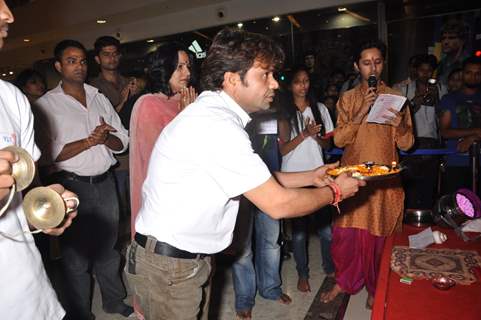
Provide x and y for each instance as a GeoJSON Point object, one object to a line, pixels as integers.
{"type": "Point", "coordinates": [299, 241]}
{"type": "Point", "coordinates": [88, 246]}
{"type": "Point", "coordinates": [266, 273]}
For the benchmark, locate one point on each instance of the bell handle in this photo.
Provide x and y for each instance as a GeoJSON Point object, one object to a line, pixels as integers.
{"type": "Point", "coordinates": [13, 189]}
{"type": "Point", "coordinates": [77, 203]}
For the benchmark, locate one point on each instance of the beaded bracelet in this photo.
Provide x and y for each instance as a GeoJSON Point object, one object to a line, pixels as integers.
{"type": "Point", "coordinates": [336, 191]}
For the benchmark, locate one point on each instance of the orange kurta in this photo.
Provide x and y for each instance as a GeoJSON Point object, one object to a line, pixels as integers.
{"type": "Point", "coordinates": [377, 207]}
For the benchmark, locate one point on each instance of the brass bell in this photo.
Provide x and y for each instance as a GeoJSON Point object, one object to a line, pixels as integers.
{"type": "Point", "coordinates": [23, 171]}
{"type": "Point", "coordinates": [44, 208]}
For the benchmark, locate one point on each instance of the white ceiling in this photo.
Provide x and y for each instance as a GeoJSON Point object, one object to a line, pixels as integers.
{"type": "Point", "coordinates": [45, 22]}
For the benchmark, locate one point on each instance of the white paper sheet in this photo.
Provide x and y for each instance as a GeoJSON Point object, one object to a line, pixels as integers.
{"type": "Point", "coordinates": [380, 107]}
{"type": "Point", "coordinates": [422, 239]}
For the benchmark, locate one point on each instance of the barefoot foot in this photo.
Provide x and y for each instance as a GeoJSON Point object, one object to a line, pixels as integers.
{"type": "Point", "coordinates": [284, 299]}
{"type": "Point", "coordinates": [303, 285]}
{"type": "Point", "coordinates": [328, 296]}
{"type": "Point", "coordinates": [369, 302]}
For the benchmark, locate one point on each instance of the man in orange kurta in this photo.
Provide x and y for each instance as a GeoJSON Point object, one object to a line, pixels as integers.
{"type": "Point", "coordinates": [365, 221]}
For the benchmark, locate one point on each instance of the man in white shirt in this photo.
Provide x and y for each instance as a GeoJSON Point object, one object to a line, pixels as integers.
{"type": "Point", "coordinates": [84, 132]}
{"type": "Point", "coordinates": [26, 291]}
{"type": "Point", "coordinates": [200, 165]}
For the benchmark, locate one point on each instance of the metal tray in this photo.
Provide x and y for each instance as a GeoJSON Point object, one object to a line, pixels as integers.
{"type": "Point", "coordinates": [386, 176]}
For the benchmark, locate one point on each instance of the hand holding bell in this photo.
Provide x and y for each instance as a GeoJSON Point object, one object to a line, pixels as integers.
{"type": "Point", "coordinates": [45, 208]}
{"type": "Point", "coordinates": [23, 172]}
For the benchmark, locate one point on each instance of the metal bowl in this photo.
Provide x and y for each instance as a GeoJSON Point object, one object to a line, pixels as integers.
{"type": "Point", "coordinates": [418, 217]}
{"type": "Point", "coordinates": [443, 283]}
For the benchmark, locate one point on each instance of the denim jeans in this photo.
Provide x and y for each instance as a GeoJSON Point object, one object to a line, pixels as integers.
{"type": "Point", "coordinates": [322, 220]}
{"type": "Point", "coordinates": [88, 245]}
{"type": "Point", "coordinates": [266, 275]}
{"type": "Point", "coordinates": [168, 288]}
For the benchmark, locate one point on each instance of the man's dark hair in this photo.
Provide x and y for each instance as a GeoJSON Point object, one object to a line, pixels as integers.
{"type": "Point", "coordinates": [337, 71]}
{"type": "Point", "coordinates": [453, 72]}
{"type": "Point", "coordinates": [378, 44]}
{"type": "Point", "coordinates": [162, 63]}
{"type": "Point", "coordinates": [105, 41]}
{"type": "Point", "coordinates": [235, 51]}
{"type": "Point", "coordinates": [426, 59]}
{"type": "Point", "coordinates": [27, 74]}
{"type": "Point", "coordinates": [309, 52]}
{"type": "Point", "coordinates": [454, 27]}
{"type": "Point", "coordinates": [412, 59]}
{"type": "Point", "coordinates": [472, 60]}
{"type": "Point", "coordinates": [64, 44]}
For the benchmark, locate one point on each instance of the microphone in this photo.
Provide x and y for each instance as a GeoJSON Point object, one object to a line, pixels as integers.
{"type": "Point", "coordinates": [372, 81]}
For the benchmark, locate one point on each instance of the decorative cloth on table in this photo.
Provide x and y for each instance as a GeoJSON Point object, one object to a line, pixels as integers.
{"type": "Point", "coordinates": [429, 263]}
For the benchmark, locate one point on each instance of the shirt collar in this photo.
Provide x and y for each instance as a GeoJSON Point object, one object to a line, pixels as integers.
{"type": "Point", "coordinates": [89, 90]}
{"type": "Point", "coordinates": [232, 105]}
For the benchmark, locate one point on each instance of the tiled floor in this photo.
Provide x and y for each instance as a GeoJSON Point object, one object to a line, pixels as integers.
{"type": "Point", "coordinates": [223, 302]}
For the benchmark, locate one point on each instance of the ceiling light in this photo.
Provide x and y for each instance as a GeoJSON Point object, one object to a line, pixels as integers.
{"type": "Point", "coordinates": [341, 9]}
{"type": "Point", "coordinates": [26, 40]}
{"type": "Point", "coordinates": [240, 25]}
{"type": "Point", "coordinates": [101, 21]}
{"type": "Point", "coordinates": [10, 73]}
{"type": "Point", "coordinates": [276, 19]}
{"type": "Point", "coordinates": [4, 74]}
{"type": "Point", "coordinates": [150, 41]}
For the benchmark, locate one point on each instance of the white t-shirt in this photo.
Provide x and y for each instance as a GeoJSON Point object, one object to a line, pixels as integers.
{"type": "Point", "coordinates": [69, 121]}
{"type": "Point", "coordinates": [200, 165]}
{"type": "Point", "coordinates": [308, 154]}
{"type": "Point", "coordinates": [25, 291]}
{"type": "Point", "coordinates": [425, 118]}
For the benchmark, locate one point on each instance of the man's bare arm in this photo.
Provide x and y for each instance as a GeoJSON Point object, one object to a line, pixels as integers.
{"type": "Point", "coordinates": [279, 202]}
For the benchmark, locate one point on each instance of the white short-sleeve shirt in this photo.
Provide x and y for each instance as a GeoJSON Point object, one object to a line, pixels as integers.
{"type": "Point", "coordinates": [308, 154]}
{"type": "Point", "coordinates": [25, 291]}
{"type": "Point", "coordinates": [200, 165]}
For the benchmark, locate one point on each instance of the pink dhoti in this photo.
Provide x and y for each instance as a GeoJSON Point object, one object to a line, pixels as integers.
{"type": "Point", "coordinates": [356, 254]}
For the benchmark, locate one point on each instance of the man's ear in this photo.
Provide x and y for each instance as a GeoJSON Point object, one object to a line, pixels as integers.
{"type": "Point", "coordinates": [97, 60]}
{"type": "Point", "coordinates": [58, 66]}
{"type": "Point", "coordinates": [356, 67]}
{"type": "Point", "coordinates": [230, 80]}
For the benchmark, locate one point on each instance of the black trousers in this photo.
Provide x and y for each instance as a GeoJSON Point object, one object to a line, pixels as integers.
{"type": "Point", "coordinates": [88, 248]}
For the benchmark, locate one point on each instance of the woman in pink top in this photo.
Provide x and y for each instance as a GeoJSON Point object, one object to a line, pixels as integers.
{"type": "Point", "coordinates": [169, 70]}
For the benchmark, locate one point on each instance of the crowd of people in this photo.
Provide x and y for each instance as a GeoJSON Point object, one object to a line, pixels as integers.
{"type": "Point", "coordinates": [173, 153]}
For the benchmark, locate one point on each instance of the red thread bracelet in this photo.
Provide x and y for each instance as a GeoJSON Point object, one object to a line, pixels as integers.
{"type": "Point", "coordinates": [337, 195]}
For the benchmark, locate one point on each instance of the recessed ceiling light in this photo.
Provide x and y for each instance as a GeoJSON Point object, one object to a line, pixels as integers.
{"type": "Point", "coordinates": [101, 21]}
{"type": "Point", "coordinates": [276, 19]}
{"type": "Point", "coordinates": [10, 73]}
{"type": "Point", "coordinates": [341, 9]}
{"type": "Point", "coordinates": [26, 40]}
{"type": "Point", "coordinates": [240, 25]}
{"type": "Point", "coordinates": [150, 41]}
{"type": "Point", "coordinates": [4, 74]}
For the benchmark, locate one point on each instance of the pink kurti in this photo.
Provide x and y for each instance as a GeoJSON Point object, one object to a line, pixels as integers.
{"type": "Point", "coordinates": [151, 113]}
